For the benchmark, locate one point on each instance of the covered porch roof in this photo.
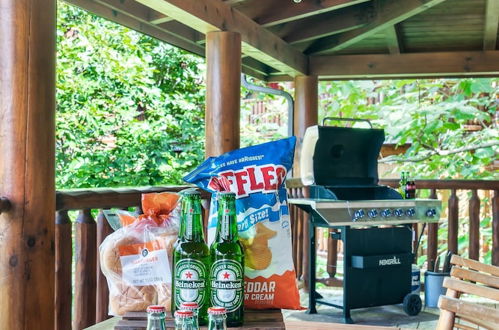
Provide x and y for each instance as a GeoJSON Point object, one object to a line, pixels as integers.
{"type": "Point", "coordinates": [331, 39]}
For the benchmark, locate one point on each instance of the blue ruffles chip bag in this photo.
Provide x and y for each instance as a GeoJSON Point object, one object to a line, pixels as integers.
{"type": "Point", "coordinates": [257, 174]}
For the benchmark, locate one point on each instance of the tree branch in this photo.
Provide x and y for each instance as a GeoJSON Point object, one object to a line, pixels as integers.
{"type": "Point", "coordinates": [438, 152]}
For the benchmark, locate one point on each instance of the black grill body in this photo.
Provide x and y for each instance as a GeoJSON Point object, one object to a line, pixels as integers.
{"type": "Point", "coordinates": [377, 260]}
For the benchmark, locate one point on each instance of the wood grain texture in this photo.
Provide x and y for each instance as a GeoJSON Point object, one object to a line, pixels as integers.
{"type": "Point", "coordinates": [102, 299]}
{"type": "Point", "coordinates": [453, 222]}
{"type": "Point", "coordinates": [474, 228]}
{"type": "Point", "coordinates": [475, 265]}
{"type": "Point", "coordinates": [469, 288]}
{"type": "Point", "coordinates": [393, 39]}
{"type": "Point", "coordinates": [223, 92]}
{"type": "Point", "coordinates": [63, 269]}
{"type": "Point", "coordinates": [432, 238]}
{"type": "Point", "coordinates": [480, 315]}
{"type": "Point", "coordinates": [424, 65]}
{"type": "Point", "coordinates": [27, 135]}
{"type": "Point", "coordinates": [305, 112]}
{"type": "Point", "coordinates": [331, 23]}
{"type": "Point", "coordinates": [267, 14]}
{"type": "Point", "coordinates": [214, 15]}
{"type": "Point", "coordinates": [491, 25]}
{"type": "Point", "coordinates": [474, 276]}
{"type": "Point", "coordinates": [495, 228]}
{"type": "Point", "coordinates": [387, 13]}
{"type": "Point", "coordinates": [85, 273]}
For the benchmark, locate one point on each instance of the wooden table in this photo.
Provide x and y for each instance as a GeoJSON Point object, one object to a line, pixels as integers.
{"type": "Point", "coordinates": [254, 320]}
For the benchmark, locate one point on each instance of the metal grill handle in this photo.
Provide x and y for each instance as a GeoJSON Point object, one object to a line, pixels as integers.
{"type": "Point", "coordinates": [346, 119]}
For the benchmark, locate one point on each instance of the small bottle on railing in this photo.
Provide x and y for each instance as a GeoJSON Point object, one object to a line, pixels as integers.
{"type": "Point", "coordinates": [156, 315]}
{"type": "Point", "coordinates": [403, 184]}
{"type": "Point", "coordinates": [410, 189]}
{"type": "Point", "coordinates": [216, 318]}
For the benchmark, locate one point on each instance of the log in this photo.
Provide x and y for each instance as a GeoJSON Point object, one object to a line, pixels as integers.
{"type": "Point", "coordinates": [223, 92]}
{"type": "Point", "coordinates": [85, 274]}
{"type": "Point", "coordinates": [305, 112]}
{"type": "Point", "coordinates": [27, 163]}
{"type": "Point", "coordinates": [63, 269]}
{"type": "Point", "coordinates": [495, 228]}
{"type": "Point", "coordinates": [102, 303]}
{"type": "Point", "coordinates": [474, 233]}
{"type": "Point", "coordinates": [432, 238]}
{"type": "Point", "coordinates": [453, 221]}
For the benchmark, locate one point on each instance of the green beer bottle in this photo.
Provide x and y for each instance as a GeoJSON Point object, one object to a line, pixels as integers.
{"type": "Point", "coordinates": [227, 262]}
{"type": "Point", "coordinates": [191, 258]}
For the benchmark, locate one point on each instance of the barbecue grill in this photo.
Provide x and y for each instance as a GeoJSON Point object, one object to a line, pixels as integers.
{"type": "Point", "coordinates": [374, 222]}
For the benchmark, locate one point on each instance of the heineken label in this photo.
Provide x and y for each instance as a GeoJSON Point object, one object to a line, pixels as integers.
{"type": "Point", "coordinates": [190, 281]}
{"type": "Point", "coordinates": [227, 284]}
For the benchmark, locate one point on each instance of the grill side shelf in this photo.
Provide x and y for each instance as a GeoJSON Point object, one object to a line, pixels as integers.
{"type": "Point", "coordinates": [382, 261]}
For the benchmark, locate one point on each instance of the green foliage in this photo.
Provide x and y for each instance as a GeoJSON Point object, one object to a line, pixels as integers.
{"type": "Point", "coordinates": [431, 115]}
{"type": "Point", "coordinates": [130, 109]}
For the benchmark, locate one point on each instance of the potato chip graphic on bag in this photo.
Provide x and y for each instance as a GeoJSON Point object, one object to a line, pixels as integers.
{"type": "Point", "coordinates": [256, 250]}
{"type": "Point", "coordinates": [256, 175]}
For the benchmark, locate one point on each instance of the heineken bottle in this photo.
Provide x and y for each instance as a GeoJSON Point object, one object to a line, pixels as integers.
{"type": "Point", "coordinates": [191, 258]}
{"type": "Point", "coordinates": [227, 262]}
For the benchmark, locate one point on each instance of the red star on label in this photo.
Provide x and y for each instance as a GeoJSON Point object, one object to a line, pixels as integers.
{"type": "Point", "coordinates": [188, 275]}
{"type": "Point", "coordinates": [226, 275]}
{"type": "Point", "coordinates": [227, 210]}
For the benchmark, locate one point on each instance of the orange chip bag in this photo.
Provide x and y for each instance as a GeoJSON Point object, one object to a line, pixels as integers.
{"type": "Point", "coordinates": [256, 175]}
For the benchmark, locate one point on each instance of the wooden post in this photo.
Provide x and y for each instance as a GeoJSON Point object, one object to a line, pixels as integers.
{"type": "Point", "coordinates": [495, 228]}
{"type": "Point", "coordinates": [305, 115]}
{"type": "Point", "coordinates": [432, 239]}
{"type": "Point", "coordinates": [305, 112]}
{"type": "Point", "coordinates": [27, 156]}
{"type": "Point", "coordinates": [86, 271]}
{"type": "Point", "coordinates": [223, 91]}
{"type": "Point", "coordinates": [63, 269]}
{"type": "Point", "coordinates": [102, 303]}
{"type": "Point", "coordinates": [474, 228]}
{"type": "Point", "coordinates": [453, 222]}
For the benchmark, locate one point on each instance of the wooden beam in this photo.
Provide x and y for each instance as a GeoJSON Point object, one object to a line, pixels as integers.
{"type": "Point", "coordinates": [267, 13]}
{"type": "Point", "coordinates": [139, 24]}
{"type": "Point", "coordinates": [158, 18]}
{"type": "Point", "coordinates": [491, 25]}
{"type": "Point", "coordinates": [393, 41]}
{"type": "Point", "coordinates": [223, 92]}
{"type": "Point", "coordinates": [305, 112]}
{"type": "Point", "coordinates": [331, 23]}
{"type": "Point", "coordinates": [387, 13]}
{"type": "Point", "coordinates": [427, 65]}
{"type": "Point", "coordinates": [27, 163]}
{"type": "Point", "coordinates": [214, 15]}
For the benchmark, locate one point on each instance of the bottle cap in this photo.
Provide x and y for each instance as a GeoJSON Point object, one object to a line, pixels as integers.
{"type": "Point", "coordinates": [182, 313]}
{"type": "Point", "coordinates": [189, 305]}
{"type": "Point", "coordinates": [156, 309]}
{"type": "Point", "coordinates": [217, 310]}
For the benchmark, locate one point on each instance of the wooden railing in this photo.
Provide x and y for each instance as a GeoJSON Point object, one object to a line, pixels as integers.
{"type": "Point", "coordinates": [90, 290]}
{"type": "Point", "coordinates": [433, 188]}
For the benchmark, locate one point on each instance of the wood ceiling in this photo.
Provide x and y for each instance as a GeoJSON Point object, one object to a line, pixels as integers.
{"type": "Point", "coordinates": [334, 39]}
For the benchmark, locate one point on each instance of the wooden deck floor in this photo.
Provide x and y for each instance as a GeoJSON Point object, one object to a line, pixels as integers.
{"type": "Point", "coordinates": [391, 316]}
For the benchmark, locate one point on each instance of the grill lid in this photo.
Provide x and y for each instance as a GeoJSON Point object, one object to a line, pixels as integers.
{"type": "Point", "coordinates": [341, 156]}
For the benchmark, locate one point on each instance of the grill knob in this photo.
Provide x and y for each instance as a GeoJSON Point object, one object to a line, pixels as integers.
{"type": "Point", "coordinates": [386, 213]}
{"type": "Point", "coordinates": [430, 213]}
{"type": "Point", "coordinates": [410, 212]}
{"type": "Point", "coordinates": [359, 214]}
{"type": "Point", "coordinates": [373, 213]}
{"type": "Point", "coordinates": [398, 212]}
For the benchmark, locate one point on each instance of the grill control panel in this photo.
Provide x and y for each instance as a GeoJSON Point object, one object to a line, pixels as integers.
{"type": "Point", "coordinates": [373, 212]}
